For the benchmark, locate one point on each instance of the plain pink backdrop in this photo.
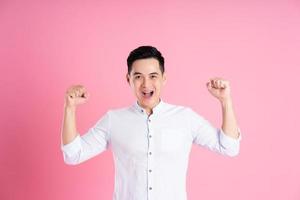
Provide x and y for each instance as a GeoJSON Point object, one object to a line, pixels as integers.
{"type": "Point", "coordinates": [45, 46]}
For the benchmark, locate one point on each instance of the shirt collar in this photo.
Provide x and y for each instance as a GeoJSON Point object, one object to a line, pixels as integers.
{"type": "Point", "coordinates": [155, 110]}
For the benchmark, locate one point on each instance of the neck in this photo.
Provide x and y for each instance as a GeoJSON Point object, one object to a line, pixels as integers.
{"type": "Point", "coordinates": [149, 110]}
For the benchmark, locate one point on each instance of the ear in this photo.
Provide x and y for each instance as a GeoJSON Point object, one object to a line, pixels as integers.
{"type": "Point", "coordinates": [127, 78]}
{"type": "Point", "coordinates": [164, 78]}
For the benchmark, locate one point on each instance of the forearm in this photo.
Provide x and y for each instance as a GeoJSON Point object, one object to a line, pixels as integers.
{"type": "Point", "coordinates": [229, 122]}
{"type": "Point", "coordinates": [69, 131]}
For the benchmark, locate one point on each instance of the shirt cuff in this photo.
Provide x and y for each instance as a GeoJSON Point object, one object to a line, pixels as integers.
{"type": "Point", "coordinates": [228, 140]}
{"type": "Point", "coordinates": [73, 147]}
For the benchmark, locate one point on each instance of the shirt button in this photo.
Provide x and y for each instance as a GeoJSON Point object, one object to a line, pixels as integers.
{"type": "Point", "coordinates": [150, 188]}
{"type": "Point", "coordinates": [150, 170]}
{"type": "Point", "coordinates": [150, 153]}
{"type": "Point", "coordinates": [149, 120]}
{"type": "Point", "coordinates": [150, 136]}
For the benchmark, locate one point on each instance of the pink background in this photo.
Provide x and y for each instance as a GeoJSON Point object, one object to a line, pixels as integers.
{"type": "Point", "coordinates": [45, 46]}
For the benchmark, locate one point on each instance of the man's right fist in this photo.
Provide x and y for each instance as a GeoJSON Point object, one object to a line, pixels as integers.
{"type": "Point", "coordinates": [75, 95]}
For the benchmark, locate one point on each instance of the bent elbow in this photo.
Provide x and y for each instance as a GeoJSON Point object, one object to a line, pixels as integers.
{"type": "Point", "coordinates": [68, 162]}
{"type": "Point", "coordinates": [231, 152]}
{"type": "Point", "coordinates": [74, 160]}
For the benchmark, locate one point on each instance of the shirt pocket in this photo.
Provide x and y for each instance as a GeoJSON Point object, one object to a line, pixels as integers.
{"type": "Point", "coordinates": [172, 140]}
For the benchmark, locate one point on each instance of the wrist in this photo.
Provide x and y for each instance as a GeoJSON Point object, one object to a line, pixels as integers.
{"type": "Point", "coordinates": [226, 102]}
{"type": "Point", "coordinates": [69, 108]}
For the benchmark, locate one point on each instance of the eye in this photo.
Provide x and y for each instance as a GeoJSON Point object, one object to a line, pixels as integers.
{"type": "Point", "coordinates": [137, 77]}
{"type": "Point", "coordinates": [153, 76]}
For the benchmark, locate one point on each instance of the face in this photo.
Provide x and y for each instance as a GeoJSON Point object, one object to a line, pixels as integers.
{"type": "Point", "coordinates": [146, 81]}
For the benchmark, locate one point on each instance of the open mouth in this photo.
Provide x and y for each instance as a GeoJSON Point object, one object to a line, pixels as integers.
{"type": "Point", "coordinates": [148, 94]}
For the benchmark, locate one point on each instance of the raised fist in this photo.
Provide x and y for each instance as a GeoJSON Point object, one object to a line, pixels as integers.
{"type": "Point", "coordinates": [219, 88]}
{"type": "Point", "coordinates": [75, 95]}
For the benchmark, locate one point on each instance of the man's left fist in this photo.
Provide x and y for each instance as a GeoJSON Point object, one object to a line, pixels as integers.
{"type": "Point", "coordinates": [219, 88]}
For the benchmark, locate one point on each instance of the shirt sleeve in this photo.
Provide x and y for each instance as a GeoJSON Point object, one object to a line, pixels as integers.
{"type": "Point", "coordinates": [92, 143]}
{"type": "Point", "coordinates": [215, 139]}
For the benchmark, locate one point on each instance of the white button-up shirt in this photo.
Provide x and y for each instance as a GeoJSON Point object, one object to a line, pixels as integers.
{"type": "Point", "coordinates": [150, 153]}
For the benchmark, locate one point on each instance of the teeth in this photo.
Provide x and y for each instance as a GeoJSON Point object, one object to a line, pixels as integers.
{"type": "Point", "coordinates": [148, 94]}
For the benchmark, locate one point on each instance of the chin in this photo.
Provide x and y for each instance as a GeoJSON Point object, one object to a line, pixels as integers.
{"type": "Point", "coordinates": [146, 104]}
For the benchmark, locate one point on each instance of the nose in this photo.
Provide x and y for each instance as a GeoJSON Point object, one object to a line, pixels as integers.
{"type": "Point", "coordinates": [146, 82]}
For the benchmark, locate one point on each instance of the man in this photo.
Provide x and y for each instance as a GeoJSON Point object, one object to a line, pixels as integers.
{"type": "Point", "coordinates": [150, 140]}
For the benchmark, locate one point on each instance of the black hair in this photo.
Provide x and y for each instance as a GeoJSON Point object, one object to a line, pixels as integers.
{"type": "Point", "coordinates": [145, 52]}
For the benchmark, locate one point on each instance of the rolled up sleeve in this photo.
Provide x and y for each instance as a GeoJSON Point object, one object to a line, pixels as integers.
{"type": "Point", "coordinates": [205, 134]}
{"type": "Point", "coordinates": [229, 145]}
{"type": "Point", "coordinates": [92, 143]}
{"type": "Point", "coordinates": [71, 151]}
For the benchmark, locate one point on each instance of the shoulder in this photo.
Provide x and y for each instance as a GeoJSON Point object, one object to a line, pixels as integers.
{"type": "Point", "coordinates": [175, 108]}
{"type": "Point", "coordinates": [116, 111]}
{"type": "Point", "coordinates": [120, 111]}
{"type": "Point", "coordinates": [187, 111]}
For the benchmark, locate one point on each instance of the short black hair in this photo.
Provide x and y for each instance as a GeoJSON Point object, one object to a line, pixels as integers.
{"type": "Point", "coordinates": [145, 52]}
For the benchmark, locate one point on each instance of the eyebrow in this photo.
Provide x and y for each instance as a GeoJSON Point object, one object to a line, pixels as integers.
{"type": "Point", "coordinates": [154, 73]}
{"type": "Point", "coordinates": [139, 73]}
{"type": "Point", "coordinates": [136, 73]}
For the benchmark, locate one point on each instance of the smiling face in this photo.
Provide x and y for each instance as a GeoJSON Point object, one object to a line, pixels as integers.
{"type": "Point", "coordinates": [146, 81]}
